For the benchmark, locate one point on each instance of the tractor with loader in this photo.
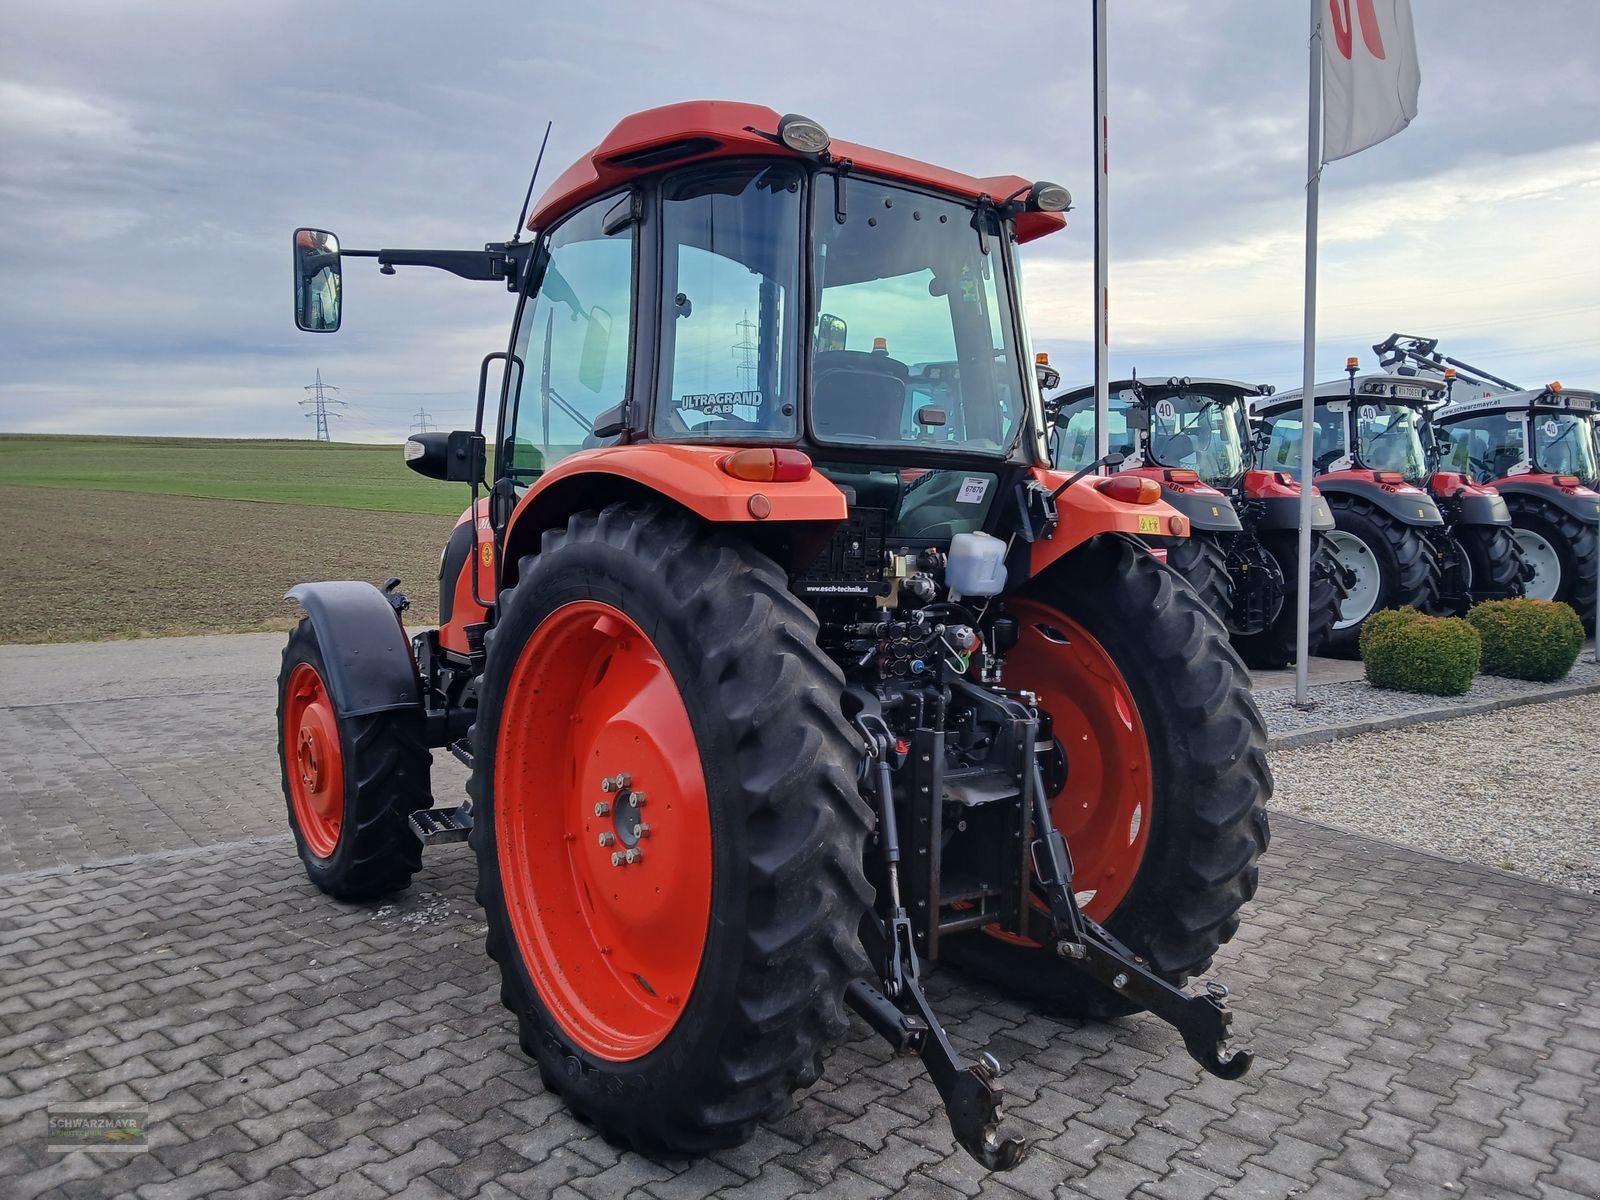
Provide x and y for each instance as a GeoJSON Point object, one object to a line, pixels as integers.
{"type": "Point", "coordinates": [1192, 439]}
{"type": "Point", "coordinates": [1406, 533]}
{"type": "Point", "coordinates": [785, 672]}
{"type": "Point", "coordinates": [1536, 447]}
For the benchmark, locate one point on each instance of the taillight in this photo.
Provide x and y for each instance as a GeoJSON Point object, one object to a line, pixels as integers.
{"type": "Point", "coordinates": [767, 465]}
{"type": "Point", "coordinates": [1131, 489]}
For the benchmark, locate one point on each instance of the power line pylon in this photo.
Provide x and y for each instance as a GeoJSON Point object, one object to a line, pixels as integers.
{"type": "Point", "coordinates": [744, 352]}
{"type": "Point", "coordinates": [319, 405]}
{"type": "Point", "coordinates": [421, 423]}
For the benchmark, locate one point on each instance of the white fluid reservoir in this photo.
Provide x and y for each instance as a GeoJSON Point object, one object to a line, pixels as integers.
{"type": "Point", "coordinates": [977, 565]}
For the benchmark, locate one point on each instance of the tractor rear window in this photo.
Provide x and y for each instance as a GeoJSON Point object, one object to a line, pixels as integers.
{"type": "Point", "coordinates": [1562, 446]}
{"type": "Point", "coordinates": [914, 341]}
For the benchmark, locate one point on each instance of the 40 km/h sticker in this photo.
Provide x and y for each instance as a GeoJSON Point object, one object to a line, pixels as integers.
{"type": "Point", "coordinates": [1149, 524]}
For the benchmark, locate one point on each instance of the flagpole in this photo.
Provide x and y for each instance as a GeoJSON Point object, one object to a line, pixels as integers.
{"type": "Point", "coordinates": [1102, 299]}
{"type": "Point", "coordinates": [1302, 617]}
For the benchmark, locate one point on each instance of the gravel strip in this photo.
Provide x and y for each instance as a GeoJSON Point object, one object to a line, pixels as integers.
{"type": "Point", "coordinates": [1511, 789]}
{"type": "Point", "coordinates": [1342, 703]}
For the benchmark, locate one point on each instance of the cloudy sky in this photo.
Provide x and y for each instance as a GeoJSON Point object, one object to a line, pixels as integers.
{"type": "Point", "coordinates": [155, 156]}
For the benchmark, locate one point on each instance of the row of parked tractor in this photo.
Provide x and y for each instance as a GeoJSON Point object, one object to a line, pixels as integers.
{"type": "Point", "coordinates": [1437, 485]}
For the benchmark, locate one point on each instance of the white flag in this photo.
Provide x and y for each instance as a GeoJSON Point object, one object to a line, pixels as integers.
{"type": "Point", "coordinates": [1370, 76]}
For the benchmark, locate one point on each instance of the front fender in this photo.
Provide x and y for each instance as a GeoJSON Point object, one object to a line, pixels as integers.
{"type": "Point", "coordinates": [1411, 507]}
{"type": "Point", "coordinates": [1210, 511]}
{"type": "Point", "coordinates": [1086, 512]}
{"type": "Point", "coordinates": [1581, 504]}
{"type": "Point", "coordinates": [365, 653]}
{"type": "Point", "coordinates": [1283, 512]}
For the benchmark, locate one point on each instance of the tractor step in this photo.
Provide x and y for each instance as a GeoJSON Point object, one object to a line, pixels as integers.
{"type": "Point", "coordinates": [442, 824]}
{"type": "Point", "coordinates": [462, 751]}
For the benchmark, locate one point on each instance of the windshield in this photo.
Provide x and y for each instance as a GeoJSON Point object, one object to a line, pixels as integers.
{"type": "Point", "coordinates": [1072, 442]}
{"type": "Point", "coordinates": [914, 343]}
{"type": "Point", "coordinates": [1198, 431]}
{"type": "Point", "coordinates": [1389, 438]}
{"type": "Point", "coordinates": [1562, 445]}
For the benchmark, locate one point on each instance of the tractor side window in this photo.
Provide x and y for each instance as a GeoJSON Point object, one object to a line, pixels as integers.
{"type": "Point", "coordinates": [1283, 448]}
{"type": "Point", "coordinates": [573, 343]}
{"type": "Point", "coordinates": [1074, 440]}
{"type": "Point", "coordinates": [1485, 448]}
{"type": "Point", "coordinates": [730, 304]}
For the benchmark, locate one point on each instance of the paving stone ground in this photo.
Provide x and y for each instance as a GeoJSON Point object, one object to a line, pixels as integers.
{"type": "Point", "coordinates": [1423, 1027]}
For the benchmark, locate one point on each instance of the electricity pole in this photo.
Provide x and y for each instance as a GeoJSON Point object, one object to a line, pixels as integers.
{"type": "Point", "coordinates": [319, 405]}
{"type": "Point", "coordinates": [420, 423]}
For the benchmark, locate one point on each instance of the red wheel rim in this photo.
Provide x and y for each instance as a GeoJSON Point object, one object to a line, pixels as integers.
{"type": "Point", "coordinates": [314, 760]}
{"type": "Point", "coordinates": [613, 948]}
{"type": "Point", "coordinates": [1104, 809]}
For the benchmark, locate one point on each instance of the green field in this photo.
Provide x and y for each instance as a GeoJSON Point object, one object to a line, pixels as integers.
{"type": "Point", "coordinates": [131, 537]}
{"type": "Point", "coordinates": [323, 474]}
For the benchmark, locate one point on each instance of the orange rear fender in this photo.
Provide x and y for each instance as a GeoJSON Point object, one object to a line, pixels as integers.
{"type": "Point", "coordinates": [1087, 512]}
{"type": "Point", "coordinates": [689, 476]}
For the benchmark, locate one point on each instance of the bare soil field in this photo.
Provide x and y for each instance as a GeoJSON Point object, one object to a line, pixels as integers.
{"type": "Point", "coordinates": [82, 564]}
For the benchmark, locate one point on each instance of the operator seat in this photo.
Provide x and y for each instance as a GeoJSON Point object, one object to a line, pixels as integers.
{"type": "Point", "coordinates": [858, 397]}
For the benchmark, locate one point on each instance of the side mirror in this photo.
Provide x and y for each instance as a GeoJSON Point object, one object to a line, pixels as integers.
{"type": "Point", "coordinates": [831, 333]}
{"type": "Point", "coordinates": [317, 281]}
{"type": "Point", "coordinates": [455, 457]}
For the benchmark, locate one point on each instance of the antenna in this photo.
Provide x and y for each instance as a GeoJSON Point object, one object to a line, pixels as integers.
{"type": "Point", "coordinates": [516, 234]}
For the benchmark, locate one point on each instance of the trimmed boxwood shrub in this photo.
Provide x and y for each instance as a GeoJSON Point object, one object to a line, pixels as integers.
{"type": "Point", "coordinates": [1528, 639]}
{"type": "Point", "coordinates": [1407, 651]}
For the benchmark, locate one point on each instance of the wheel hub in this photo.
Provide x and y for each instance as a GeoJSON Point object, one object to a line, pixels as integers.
{"type": "Point", "coordinates": [314, 765]}
{"type": "Point", "coordinates": [1361, 569]}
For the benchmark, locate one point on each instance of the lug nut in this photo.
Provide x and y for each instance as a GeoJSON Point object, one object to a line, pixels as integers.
{"type": "Point", "coordinates": [616, 859]}
{"type": "Point", "coordinates": [623, 780]}
{"type": "Point", "coordinates": [641, 831]}
{"type": "Point", "coordinates": [602, 809]}
{"type": "Point", "coordinates": [637, 799]}
{"type": "Point", "coordinates": [608, 784]}
{"type": "Point", "coordinates": [633, 856]}
{"type": "Point", "coordinates": [607, 838]}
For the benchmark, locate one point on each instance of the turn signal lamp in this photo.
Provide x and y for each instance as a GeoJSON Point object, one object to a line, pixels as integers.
{"type": "Point", "coordinates": [1286, 479]}
{"type": "Point", "coordinates": [1566, 481]}
{"type": "Point", "coordinates": [1131, 489]}
{"type": "Point", "coordinates": [1183, 475]}
{"type": "Point", "coordinates": [767, 465]}
{"type": "Point", "coordinates": [1388, 477]}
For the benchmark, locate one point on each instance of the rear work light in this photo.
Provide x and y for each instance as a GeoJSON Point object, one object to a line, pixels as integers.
{"type": "Point", "coordinates": [1131, 489]}
{"type": "Point", "coordinates": [767, 465]}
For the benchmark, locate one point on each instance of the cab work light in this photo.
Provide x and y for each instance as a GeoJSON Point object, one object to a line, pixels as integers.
{"type": "Point", "coordinates": [767, 465]}
{"type": "Point", "coordinates": [1131, 489]}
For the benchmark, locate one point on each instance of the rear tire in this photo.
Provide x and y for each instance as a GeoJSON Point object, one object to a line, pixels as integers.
{"type": "Point", "coordinates": [1274, 647]}
{"type": "Point", "coordinates": [1210, 782]}
{"type": "Point", "coordinates": [1203, 563]}
{"type": "Point", "coordinates": [1405, 562]}
{"type": "Point", "coordinates": [1577, 551]}
{"type": "Point", "coordinates": [761, 865]}
{"type": "Point", "coordinates": [350, 782]}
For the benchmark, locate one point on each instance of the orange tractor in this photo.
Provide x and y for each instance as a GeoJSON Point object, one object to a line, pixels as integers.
{"type": "Point", "coordinates": [783, 661]}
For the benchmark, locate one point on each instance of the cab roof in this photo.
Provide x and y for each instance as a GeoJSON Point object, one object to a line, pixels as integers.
{"type": "Point", "coordinates": [1193, 383]}
{"type": "Point", "coordinates": [704, 130]}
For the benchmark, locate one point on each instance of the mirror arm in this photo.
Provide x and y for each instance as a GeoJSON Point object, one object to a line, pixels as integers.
{"type": "Point", "coordinates": [497, 261]}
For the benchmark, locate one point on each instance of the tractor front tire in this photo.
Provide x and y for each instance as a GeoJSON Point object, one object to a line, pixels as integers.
{"type": "Point", "coordinates": [668, 829]}
{"type": "Point", "coordinates": [1575, 546]}
{"type": "Point", "coordinates": [1495, 560]}
{"type": "Point", "coordinates": [1405, 564]}
{"type": "Point", "coordinates": [1274, 647]}
{"type": "Point", "coordinates": [1193, 741]}
{"type": "Point", "coordinates": [350, 782]}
